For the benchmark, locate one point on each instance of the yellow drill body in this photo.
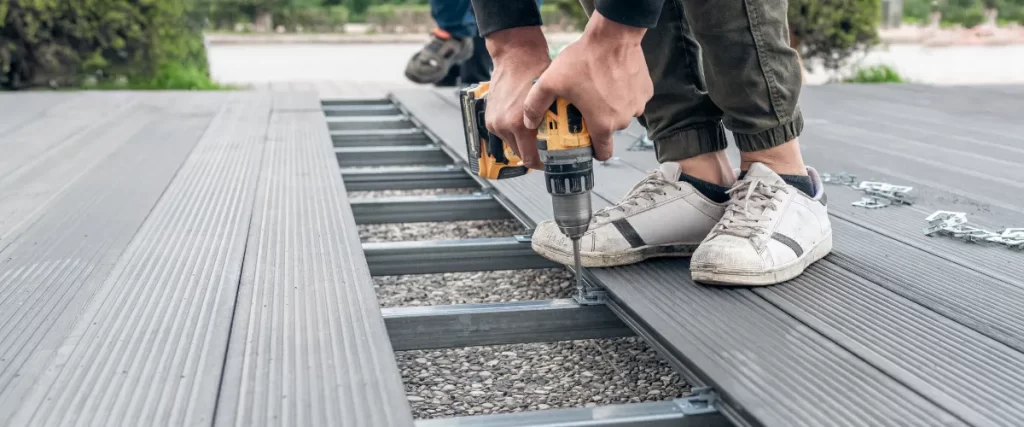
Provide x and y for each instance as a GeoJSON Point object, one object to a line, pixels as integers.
{"type": "Point", "coordinates": [564, 145]}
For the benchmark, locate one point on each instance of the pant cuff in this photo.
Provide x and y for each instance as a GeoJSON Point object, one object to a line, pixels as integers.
{"type": "Point", "coordinates": [773, 137]}
{"type": "Point", "coordinates": [691, 142]}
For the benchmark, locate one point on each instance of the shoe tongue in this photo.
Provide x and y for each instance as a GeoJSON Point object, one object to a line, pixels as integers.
{"type": "Point", "coordinates": [670, 170]}
{"type": "Point", "coordinates": [759, 170]}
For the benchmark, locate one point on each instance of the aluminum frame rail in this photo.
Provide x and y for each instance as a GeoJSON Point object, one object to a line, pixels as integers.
{"type": "Point", "coordinates": [406, 178]}
{"type": "Point", "coordinates": [380, 160]}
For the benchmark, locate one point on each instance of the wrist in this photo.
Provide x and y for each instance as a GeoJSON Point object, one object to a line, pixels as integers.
{"type": "Point", "coordinates": [603, 30]}
{"type": "Point", "coordinates": [518, 42]}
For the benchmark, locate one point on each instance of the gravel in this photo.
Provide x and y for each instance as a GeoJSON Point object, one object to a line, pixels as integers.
{"type": "Point", "coordinates": [515, 378]}
{"type": "Point", "coordinates": [439, 230]}
{"type": "Point", "coordinates": [510, 378]}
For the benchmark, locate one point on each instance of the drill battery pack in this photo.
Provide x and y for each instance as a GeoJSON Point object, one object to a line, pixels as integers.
{"type": "Point", "coordinates": [488, 156]}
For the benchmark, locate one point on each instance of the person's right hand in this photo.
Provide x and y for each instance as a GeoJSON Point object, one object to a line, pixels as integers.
{"type": "Point", "coordinates": [520, 55]}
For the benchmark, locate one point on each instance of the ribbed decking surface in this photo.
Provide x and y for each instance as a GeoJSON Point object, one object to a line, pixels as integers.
{"type": "Point", "coordinates": [893, 328]}
{"type": "Point", "coordinates": [171, 259]}
{"type": "Point", "coordinates": [149, 348]}
{"type": "Point", "coordinates": [61, 258]}
{"type": "Point", "coordinates": [308, 345]}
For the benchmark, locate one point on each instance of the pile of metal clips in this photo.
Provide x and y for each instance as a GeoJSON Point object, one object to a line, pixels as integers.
{"type": "Point", "coordinates": [879, 194]}
{"type": "Point", "coordinates": [954, 224]}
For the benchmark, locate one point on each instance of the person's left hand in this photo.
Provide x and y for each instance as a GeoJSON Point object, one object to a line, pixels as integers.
{"type": "Point", "coordinates": [604, 74]}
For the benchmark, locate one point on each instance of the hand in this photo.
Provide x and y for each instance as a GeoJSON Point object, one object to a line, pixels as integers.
{"type": "Point", "coordinates": [520, 55]}
{"type": "Point", "coordinates": [604, 74]}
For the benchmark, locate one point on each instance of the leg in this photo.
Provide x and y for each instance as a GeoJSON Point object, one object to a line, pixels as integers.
{"type": "Point", "coordinates": [681, 117]}
{"type": "Point", "coordinates": [671, 211]}
{"type": "Point", "coordinates": [450, 44]}
{"type": "Point", "coordinates": [753, 75]}
{"type": "Point", "coordinates": [776, 224]}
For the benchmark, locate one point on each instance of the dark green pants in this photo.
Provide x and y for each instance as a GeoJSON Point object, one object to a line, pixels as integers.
{"type": "Point", "coordinates": [716, 62]}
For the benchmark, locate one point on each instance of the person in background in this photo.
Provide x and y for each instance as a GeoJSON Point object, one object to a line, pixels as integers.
{"type": "Point", "coordinates": [455, 53]}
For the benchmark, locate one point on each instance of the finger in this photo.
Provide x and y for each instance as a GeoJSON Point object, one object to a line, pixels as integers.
{"type": "Point", "coordinates": [537, 101]}
{"type": "Point", "coordinates": [601, 140]}
{"type": "Point", "coordinates": [526, 139]}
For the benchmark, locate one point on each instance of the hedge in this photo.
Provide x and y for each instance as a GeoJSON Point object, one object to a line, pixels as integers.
{"type": "Point", "coordinates": [65, 42]}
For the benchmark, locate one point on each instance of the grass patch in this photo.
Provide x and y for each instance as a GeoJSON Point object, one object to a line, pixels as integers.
{"type": "Point", "coordinates": [876, 74]}
{"type": "Point", "coordinates": [172, 77]}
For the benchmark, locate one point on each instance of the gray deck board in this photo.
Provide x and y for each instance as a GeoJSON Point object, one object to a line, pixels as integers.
{"type": "Point", "coordinates": [149, 346]}
{"type": "Point", "coordinates": [919, 320]}
{"type": "Point", "coordinates": [50, 272]}
{"type": "Point", "coordinates": [309, 346]}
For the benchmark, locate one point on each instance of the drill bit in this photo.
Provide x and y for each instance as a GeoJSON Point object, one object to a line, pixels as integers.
{"type": "Point", "coordinates": [579, 266]}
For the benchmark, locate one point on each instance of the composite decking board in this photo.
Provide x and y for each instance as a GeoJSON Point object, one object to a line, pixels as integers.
{"type": "Point", "coordinates": [771, 367]}
{"type": "Point", "coordinates": [49, 273]}
{"type": "Point", "coordinates": [43, 137]}
{"type": "Point", "coordinates": [969, 374]}
{"type": "Point", "coordinates": [149, 347]}
{"type": "Point", "coordinates": [304, 99]}
{"type": "Point", "coordinates": [32, 186]}
{"type": "Point", "coordinates": [978, 103]}
{"type": "Point", "coordinates": [309, 345]}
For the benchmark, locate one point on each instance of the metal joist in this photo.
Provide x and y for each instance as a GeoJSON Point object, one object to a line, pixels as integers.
{"type": "Point", "coordinates": [451, 256]}
{"type": "Point", "coordinates": [360, 110]}
{"type": "Point", "coordinates": [354, 102]}
{"type": "Point", "coordinates": [378, 138]}
{"type": "Point", "coordinates": [406, 178]}
{"type": "Point", "coordinates": [462, 207]}
{"type": "Point", "coordinates": [394, 121]}
{"type": "Point", "coordinates": [698, 410]}
{"type": "Point", "coordinates": [467, 325]}
{"type": "Point", "coordinates": [427, 155]}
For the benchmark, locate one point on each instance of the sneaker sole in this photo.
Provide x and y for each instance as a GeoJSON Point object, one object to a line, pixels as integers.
{"type": "Point", "coordinates": [767, 278]}
{"type": "Point", "coordinates": [597, 259]}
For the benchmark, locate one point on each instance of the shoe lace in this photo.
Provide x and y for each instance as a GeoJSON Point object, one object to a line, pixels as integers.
{"type": "Point", "coordinates": [746, 212]}
{"type": "Point", "coordinates": [651, 186]}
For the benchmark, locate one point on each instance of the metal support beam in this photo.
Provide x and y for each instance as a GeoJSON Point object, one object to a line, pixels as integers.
{"type": "Point", "coordinates": [462, 207]}
{"type": "Point", "coordinates": [696, 411]}
{"type": "Point", "coordinates": [467, 325]}
{"type": "Point", "coordinates": [355, 102]}
{"type": "Point", "coordinates": [360, 110]}
{"type": "Point", "coordinates": [451, 256]}
{"type": "Point", "coordinates": [369, 122]}
{"type": "Point", "coordinates": [426, 155]}
{"type": "Point", "coordinates": [406, 178]}
{"type": "Point", "coordinates": [377, 138]}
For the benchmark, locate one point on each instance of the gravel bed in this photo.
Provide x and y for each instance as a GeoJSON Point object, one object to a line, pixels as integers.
{"type": "Point", "coordinates": [515, 378]}
{"type": "Point", "coordinates": [439, 230]}
{"type": "Point", "coordinates": [473, 288]}
{"type": "Point", "coordinates": [510, 378]}
{"type": "Point", "coordinates": [407, 193]}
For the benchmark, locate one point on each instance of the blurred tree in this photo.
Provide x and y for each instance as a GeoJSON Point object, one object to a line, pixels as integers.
{"type": "Point", "coordinates": [58, 42]}
{"type": "Point", "coordinates": [833, 31]}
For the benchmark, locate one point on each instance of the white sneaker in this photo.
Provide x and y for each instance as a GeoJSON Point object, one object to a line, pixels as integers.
{"type": "Point", "coordinates": [769, 234]}
{"type": "Point", "coordinates": [659, 217]}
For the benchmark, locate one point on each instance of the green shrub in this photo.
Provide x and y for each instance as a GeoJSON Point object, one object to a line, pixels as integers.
{"type": "Point", "coordinates": [875, 74]}
{"type": "Point", "coordinates": [387, 16]}
{"type": "Point", "coordinates": [833, 31]}
{"type": "Point", "coordinates": [59, 43]}
{"type": "Point", "coordinates": [313, 19]}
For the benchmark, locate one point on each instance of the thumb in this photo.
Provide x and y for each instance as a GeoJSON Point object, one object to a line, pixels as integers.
{"type": "Point", "coordinates": [537, 102]}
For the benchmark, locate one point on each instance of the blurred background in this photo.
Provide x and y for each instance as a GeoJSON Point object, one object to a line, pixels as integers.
{"type": "Point", "coordinates": [218, 44]}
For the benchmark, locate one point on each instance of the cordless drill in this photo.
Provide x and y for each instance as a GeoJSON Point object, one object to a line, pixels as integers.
{"type": "Point", "coordinates": [563, 143]}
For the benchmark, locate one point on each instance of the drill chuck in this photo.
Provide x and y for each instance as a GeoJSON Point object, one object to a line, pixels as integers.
{"type": "Point", "coordinates": [569, 177]}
